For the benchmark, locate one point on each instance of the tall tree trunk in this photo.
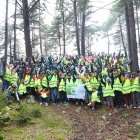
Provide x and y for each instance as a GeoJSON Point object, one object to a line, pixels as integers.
{"type": "Point", "coordinates": [76, 28]}
{"type": "Point", "coordinates": [59, 39]}
{"type": "Point", "coordinates": [83, 33]}
{"type": "Point", "coordinates": [10, 46]}
{"type": "Point", "coordinates": [15, 38]}
{"type": "Point", "coordinates": [122, 37]}
{"type": "Point", "coordinates": [6, 32]}
{"type": "Point", "coordinates": [64, 32]}
{"type": "Point", "coordinates": [108, 43]}
{"type": "Point", "coordinates": [26, 18]}
{"type": "Point", "coordinates": [134, 64]}
{"type": "Point", "coordinates": [137, 17]}
{"type": "Point", "coordinates": [40, 36]}
{"type": "Point", "coordinates": [128, 30]}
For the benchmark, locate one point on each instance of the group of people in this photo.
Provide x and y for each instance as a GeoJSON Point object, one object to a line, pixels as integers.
{"type": "Point", "coordinates": [107, 80]}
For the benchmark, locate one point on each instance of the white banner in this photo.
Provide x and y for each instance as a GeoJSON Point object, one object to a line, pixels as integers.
{"type": "Point", "coordinates": [76, 92]}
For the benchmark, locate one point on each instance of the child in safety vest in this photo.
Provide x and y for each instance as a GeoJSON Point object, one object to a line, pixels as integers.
{"type": "Point", "coordinates": [62, 89]}
{"type": "Point", "coordinates": [22, 88]}
{"type": "Point", "coordinates": [42, 92]}
{"type": "Point", "coordinates": [127, 91]}
{"type": "Point", "coordinates": [94, 98]}
{"type": "Point", "coordinates": [12, 90]}
{"type": "Point", "coordinates": [108, 93]}
{"type": "Point", "coordinates": [136, 90]}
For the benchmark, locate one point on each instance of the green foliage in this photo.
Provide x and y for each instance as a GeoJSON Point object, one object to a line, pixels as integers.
{"type": "Point", "coordinates": [36, 113]}
{"type": "Point", "coordinates": [1, 137]}
{"type": "Point", "coordinates": [3, 100]}
{"type": "Point", "coordinates": [23, 116]}
{"type": "Point", "coordinates": [125, 114]}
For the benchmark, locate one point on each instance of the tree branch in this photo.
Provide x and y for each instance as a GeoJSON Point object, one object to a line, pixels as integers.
{"type": "Point", "coordinates": [33, 5]}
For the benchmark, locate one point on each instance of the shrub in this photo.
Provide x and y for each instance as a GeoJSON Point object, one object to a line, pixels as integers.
{"type": "Point", "coordinates": [3, 100]}
{"type": "Point", "coordinates": [23, 116]}
{"type": "Point", "coordinates": [36, 113]}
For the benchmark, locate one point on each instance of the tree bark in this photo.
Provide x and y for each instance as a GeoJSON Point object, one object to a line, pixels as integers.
{"type": "Point", "coordinates": [134, 65]}
{"type": "Point", "coordinates": [15, 38]}
{"type": "Point", "coordinates": [128, 30]}
{"type": "Point", "coordinates": [40, 36]}
{"type": "Point", "coordinates": [6, 32]}
{"type": "Point", "coordinates": [26, 19]}
{"type": "Point", "coordinates": [76, 27]}
{"type": "Point", "coordinates": [83, 34]}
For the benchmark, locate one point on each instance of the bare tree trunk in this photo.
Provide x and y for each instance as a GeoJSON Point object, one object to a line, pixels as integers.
{"type": "Point", "coordinates": [15, 38]}
{"type": "Point", "coordinates": [83, 34]}
{"type": "Point", "coordinates": [76, 28]}
{"type": "Point", "coordinates": [10, 46]}
{"type": "Point", "coordinates": [108, 43]}
{"type": "Point", "coordinates": [128, 30]}
{"type": "Point", "coordinates": [27, 28]}
{"type": "Point", "coordinates": [134, 53]}
{"type": "Point", "coordinates": [6, 32]}
{"type": "Point", "coordinates": [137, 17]}
{"type": "Point", "coordinates": [59, 38]}
{"type": "Point", "coordinates": [40, 36]}
{"type": "Point", "coordinates": [122, 37]}
{"type": "Point", "coordinates": [64, 32]}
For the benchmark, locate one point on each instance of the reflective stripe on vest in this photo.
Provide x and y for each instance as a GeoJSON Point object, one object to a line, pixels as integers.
{"type": "Point", "coordinates": [44, 82]}
{"type": "Point", "coordinates": [53, 82]}
{"type": "Point", "coordinates": [108, 91]}
{"type": "Point", "coordinates": [7, 75]}
{"type": "Point", "coordinates": [127, 87]}
{"type": "Point", "coordinates": [21, 89]}
{"type": "Point", "coordinates": [94, 83]}
{"type": "Point", "coordinates": [14, 78]}
{"type": "Point", "coordinates": [62, 86]}
{"type": "Point", "coordinates": [135, 86]}
{"type": "Point", "coordinates": [117, 85]}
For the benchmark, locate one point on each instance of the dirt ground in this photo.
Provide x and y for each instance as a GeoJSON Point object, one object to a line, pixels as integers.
{"type": "Point", "coordinates": [102, 124]}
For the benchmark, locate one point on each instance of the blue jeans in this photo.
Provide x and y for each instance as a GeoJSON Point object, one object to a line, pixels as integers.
{"type": "Point", "coordinates": [5, 85]}
{"type": "Point", "coordinates": [54, 94]}
{"type": "Point", "coordinates": [41, 99]}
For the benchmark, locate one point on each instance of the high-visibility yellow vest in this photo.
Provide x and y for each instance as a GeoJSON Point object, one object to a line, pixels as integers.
{"type": "Point", "coordinates": [117, 85]}
{"type": "Point", "coordinates": [94, 97]}
{"type": "Point", "coordinates": [135, 86]}
{"type": "Point", "coordinates": [32, 83]}
{"type": "Point", "coordinates": [53, 82]}
{"type": "Point", "coordinates": [0, 81]}
{"type": "Point", "coordinates": [108, 91]}
{"type": "Point", "coordinates": [62, 86]}
{"type": "Point", "coordinates": [14, 78]}
{"type": "Point", "coordinates": [27, 80]}
{"type": "Point", "coordinates": [94, 83]}
{"type": "Point", "coordinates": [69, 82]}
{"type": "Point", "coordinates": [22, 89]}
{"type": "Point", "coordinates": [78, 82]}
{"type": "Point", "coordinates": [38, 84]}
{"type": "Point", "coordinates": [127, 87]}
{"type": "Point", "coordinates": [104, 71]}
{"type": "Point", "coordinates": [44, 82]}
{"type": "Point", "coordinates": [7, 75]}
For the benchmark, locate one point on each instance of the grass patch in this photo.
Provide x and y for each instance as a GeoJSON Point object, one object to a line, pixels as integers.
{"type": "Point", "coordinates": [40, 123]}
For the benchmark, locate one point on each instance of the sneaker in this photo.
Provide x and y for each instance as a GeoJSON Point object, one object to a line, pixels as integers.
{"type": "Point", "coordinates": [139, 107]}
{"type": "Point", "coordinates": [90, 104]}
{"type": "Point", "coordinates": [134, 107]}
{"type": "Point", "coordinates": [41, 104]}
{"type": "Point", "coordinates": [76, 103]}
{"type": "Point", "coordinates": [47, 104]}
{"type": "Point", "coordinates": [93, 109]}
{"type": "Point", "coordinates": [65, 103]}
{"type": "Point", "coordinates": [130, 106]}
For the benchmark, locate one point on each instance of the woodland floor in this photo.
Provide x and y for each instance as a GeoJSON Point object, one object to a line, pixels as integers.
{"type": "Point", "coordinates": [65, 123]}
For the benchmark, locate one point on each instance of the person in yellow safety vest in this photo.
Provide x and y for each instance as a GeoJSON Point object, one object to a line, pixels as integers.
{"type": "Point", "coordinates": [136, 90]}
{"type": "Point", "coordinates": [94, 98]}
{"type": "Point", "coordinates": [62, 90]}
{"type": "Point", "coordinates": [117, 88]}
{"type": "Point", "coordinates": [94, 82]}
{"type": "Point", "coordinates": [22, 88]}
{"type": "Point", "coordinates": [0, 82]}
{"type": "Point", "coordinates": [127, 91]}
{"type": "Point", "coordinates": [14, 77]}
{"type": "Point", "coordinates": [108, 93]}
{"type": "Point", "coordinates": [6, 78]}
{"type": "Point", "coordinates": [53, 83]}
